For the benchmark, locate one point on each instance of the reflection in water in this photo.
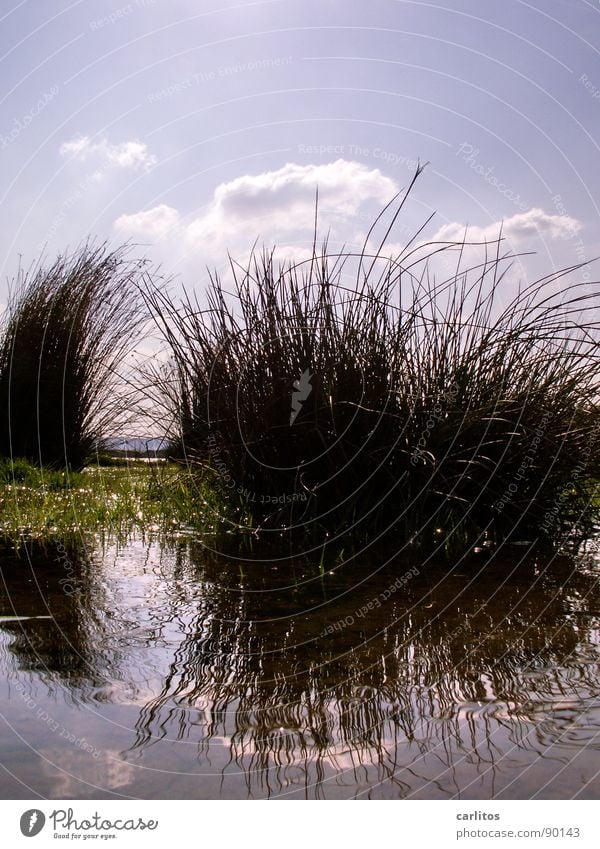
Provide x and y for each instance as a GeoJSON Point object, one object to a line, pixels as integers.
{"type": "Point", "coordinates": [187, 676]}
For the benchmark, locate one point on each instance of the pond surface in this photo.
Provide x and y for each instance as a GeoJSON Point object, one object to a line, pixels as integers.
{"type": "Point", "coordinates": [160, 671]}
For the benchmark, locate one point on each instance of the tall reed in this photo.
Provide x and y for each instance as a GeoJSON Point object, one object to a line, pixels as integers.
{"type": "Point", "coordinates": [357, 393]}
{"type": "Point", "coordinates": [64, 337]}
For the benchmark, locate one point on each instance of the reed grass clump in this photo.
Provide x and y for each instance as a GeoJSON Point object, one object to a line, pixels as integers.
{"type": "Point", "coordinates": [361, 394]}
{"type": "Point", "coordinates": [63, 341]}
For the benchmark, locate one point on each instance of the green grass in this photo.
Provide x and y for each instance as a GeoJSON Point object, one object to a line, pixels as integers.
{"type": "Point", "coordinates": [152, 498]}
{"type": "Point", "coordinates": [161, 499]}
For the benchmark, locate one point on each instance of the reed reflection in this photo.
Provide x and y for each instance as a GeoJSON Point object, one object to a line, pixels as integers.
{"type": "Point", "coordinates": [45, 605]}
{"type": "Point", "coordinates": [455, 675]}
{"type": "Point", "coordinates": [79, 621]}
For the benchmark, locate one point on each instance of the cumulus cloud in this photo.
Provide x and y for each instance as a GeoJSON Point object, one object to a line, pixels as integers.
{"type": "Point", "coordinates": [342, 184]}
{"type": "Point", "coordinates": [523, 226]}
{"type": "Point", "coordinates": [127, 154]}
{"type": "Point", "coordinates": [153, 224]}
{"type": "Point", "coordinates": [276, 207]}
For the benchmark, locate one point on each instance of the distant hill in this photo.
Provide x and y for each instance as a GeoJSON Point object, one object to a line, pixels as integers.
{"type": "Point", "coordinates": [136, 444]}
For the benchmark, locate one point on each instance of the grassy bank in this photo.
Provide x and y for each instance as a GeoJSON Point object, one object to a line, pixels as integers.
{"type": "Point", "coordinates": [157, 498]}
{"type": "Point", "coordinates": [166, 499]}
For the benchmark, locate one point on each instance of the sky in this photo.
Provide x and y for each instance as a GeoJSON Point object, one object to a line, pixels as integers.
{"type": "Point", "coordinates": [193, 128]}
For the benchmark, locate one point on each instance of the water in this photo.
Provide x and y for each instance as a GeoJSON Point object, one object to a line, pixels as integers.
{"type": "Point", "coordinates": [159, 671]}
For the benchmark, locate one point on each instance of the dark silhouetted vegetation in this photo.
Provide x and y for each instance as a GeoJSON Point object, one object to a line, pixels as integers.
{"type": "Point", "coordinates": [353, 395]}
{"type": "Point", "coordinates": [440, 410]}
{"type": "Point", "coordinates": [65, 334]}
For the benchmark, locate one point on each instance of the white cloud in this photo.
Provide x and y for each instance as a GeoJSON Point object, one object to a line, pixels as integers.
{"type": "Point", "coordinates": [523, 226]}
{"type": "Point", "coordinates": [77, 148]}
{"type": "Point", "coordinates": [128, 154]}
{"type": "Point", "coordinates": [277, 207]}
{"type": "Point", "coordinates": [342, 184]}
{"type": "Point", "coordinates": [534, 244]}
{"type": "Point", "coordinates": [279, 203]}
{"type": "Point", "coordinates": [155, 223]}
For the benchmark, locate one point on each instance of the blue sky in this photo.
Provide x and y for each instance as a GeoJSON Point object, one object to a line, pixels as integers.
{"type": "Point", "coordinates": [193, 127]}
